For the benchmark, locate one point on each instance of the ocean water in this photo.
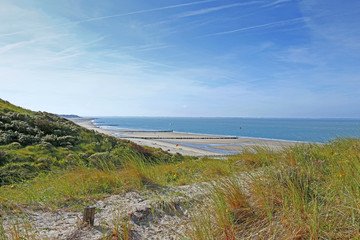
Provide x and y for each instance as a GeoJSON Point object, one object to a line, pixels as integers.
{"type": "Point", "coordinates": [307, 130]}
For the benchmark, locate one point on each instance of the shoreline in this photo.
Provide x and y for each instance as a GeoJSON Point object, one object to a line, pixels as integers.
{"type": "Point", "coordinates": [191, 144]}
{"type": "Point", "coordinates": [118, 129]}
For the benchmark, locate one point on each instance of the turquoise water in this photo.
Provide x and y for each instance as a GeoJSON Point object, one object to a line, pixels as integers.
{"type": "Point", "coordinates": [308, 130]}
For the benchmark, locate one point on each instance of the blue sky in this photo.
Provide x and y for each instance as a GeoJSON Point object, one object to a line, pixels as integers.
{"type": "Point", "coordinates": [278, 58]}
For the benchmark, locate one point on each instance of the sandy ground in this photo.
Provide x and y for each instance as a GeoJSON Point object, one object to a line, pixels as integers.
{"type": "Point", "coordinates": [154, 213]}
{"type": "Point", "coordinates": [185, 143]}
{"type": "Point", "coordinates": [150, 215]}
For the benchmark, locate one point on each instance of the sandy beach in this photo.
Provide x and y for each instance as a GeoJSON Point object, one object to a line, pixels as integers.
{"type": "Point", "coordinates": [186, 143]}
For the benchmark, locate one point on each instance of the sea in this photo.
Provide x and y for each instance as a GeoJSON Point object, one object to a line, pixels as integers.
{"type": "Point", "coordinates": [303, 130]}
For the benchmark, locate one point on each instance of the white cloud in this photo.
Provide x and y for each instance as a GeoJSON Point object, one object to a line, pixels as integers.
{"type": "Point", "coordinates": [333, 23]}
{"type": "Point", "coordinates": [214, 9]}
{"type": "Point", "coordinates": [303, 55]}
{"type": "Point", "coordinates": [91, 19]}
{"type": "Point", "coordinates": [277, 3]}
{"type": "Point", "coordinates": [265, 25]}
{"type": "Point", "coordinates": [74, 69]}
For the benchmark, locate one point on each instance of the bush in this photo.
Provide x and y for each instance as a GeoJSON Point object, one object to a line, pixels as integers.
{"type": "Point", "coordinates": [17, 116]}
{"type": "Point", "coordinates": [19, 126]}
{"type": "Point", "coordinates": [7, 126]}
{"type": "Point", "coordinates": [66, 139]}
{"type": "Point", "coordinates": [27, 139]}
{"type": "Point", "coordinates": [50, 139]}
{"type": "Point", "coordinates": [5, 119]}
{"type": "Point", "coordinates": [46, 145]}
{"type": "Point", "coordinates": [42, 140]}
{"type": "Point", "coordinates": [7, 137]}
{"type": "Point", "coordinates": [14, 145]}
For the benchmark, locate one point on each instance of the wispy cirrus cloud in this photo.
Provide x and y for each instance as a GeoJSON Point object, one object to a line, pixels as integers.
{"type": "Point", "coordinates": [12, 46]}
{"type": "Point", "coordinates": [148, 10]}
{"type": "Point", "coordinates": [154, 62]}
{"type": "Point", "coordinates": [147, 47]}
{"type": "Point", "coordinates": [214, 9]}
{"type": "Point", "coordinates": [92, 19]}
{"type": "Point", "coordinates": [266, 25]}
{"type": "Point", "coordinates": [276, 3]}
{"type": "Point", "coordinates": [336, 24]}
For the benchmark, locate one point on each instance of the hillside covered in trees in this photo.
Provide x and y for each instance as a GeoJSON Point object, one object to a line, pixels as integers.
{"type": "Point", "coordinates": [35, 142]}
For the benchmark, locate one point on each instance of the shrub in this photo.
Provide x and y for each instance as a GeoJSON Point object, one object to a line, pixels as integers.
{"type": "Point", "coordinates": [46, 126]}
{"type": "Point", "coordinates": [26, 139]}
{"type": "Point", "coordinates": [46, 145]}
{"type": "Point", "coordinates": [66, 139]}
{"type": "Point", "coordinates": [14, 145]}
{"type": "Point", "coordinates": [50, 139]}
{"type": "Point", "coordinates": [7, 137]}
{"type": "Point", "coordinates": [19, 126]}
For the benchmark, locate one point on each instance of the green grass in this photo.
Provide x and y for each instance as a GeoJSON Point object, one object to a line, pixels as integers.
{"type": "Point", "coordinates": [33, 143]}
{"type": "Point", "coordinates": [5, 106]}
{"type": "Point", "coordinates": [82, 185]}
{"type": "Point", "coordinates": [309, 191]}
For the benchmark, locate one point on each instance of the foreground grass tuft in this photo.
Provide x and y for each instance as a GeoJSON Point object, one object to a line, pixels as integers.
{"type": "Point", "coordinates": [308, 191]}
{"type": "Point", "coordinates": [82, 185]}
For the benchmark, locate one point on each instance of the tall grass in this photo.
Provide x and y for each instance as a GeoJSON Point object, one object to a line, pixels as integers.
{"type": "Point", "coordinates": [18, 229]}
{"type": "Point", "coordinates": [121, 228]}
{"type": "Point", "coordinates": [82, 185]}
{"type": "Point", "coordinates": [309, 191]}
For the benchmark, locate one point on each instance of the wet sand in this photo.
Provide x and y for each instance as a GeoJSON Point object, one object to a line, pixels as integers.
{"type": "Point", "coordinates": [186, 143]}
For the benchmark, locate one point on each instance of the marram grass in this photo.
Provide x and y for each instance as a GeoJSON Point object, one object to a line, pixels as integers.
{"type": "Point", "coordinates": [82, 185]}
{"type": "Point", "coordinates": [310, 191]}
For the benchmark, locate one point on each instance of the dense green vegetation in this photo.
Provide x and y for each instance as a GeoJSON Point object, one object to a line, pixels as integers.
{"type": "Point", "coordinates": [309, 191]}
{"type": "Point", "coordinates": [6, 107]}
{"type": "Point", "coordinates": [35, 142]}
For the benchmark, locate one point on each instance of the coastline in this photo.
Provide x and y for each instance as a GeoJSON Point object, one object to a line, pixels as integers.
{"type": "Point", "coordinates": [187, 143]}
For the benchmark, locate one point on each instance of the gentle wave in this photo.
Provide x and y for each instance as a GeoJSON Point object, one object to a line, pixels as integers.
{"type": "Point", "coordinates": [301, 130]}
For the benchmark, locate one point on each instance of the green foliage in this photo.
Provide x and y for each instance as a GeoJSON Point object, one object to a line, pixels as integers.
{"type": "Point", "coordinates": [310, 191]}
{"type": "Point", "coordinates": [5, 107]}
{"type": "Point", "coordinates": [35, 142]}
{"type": "Point", "coordinates": [13, 172]}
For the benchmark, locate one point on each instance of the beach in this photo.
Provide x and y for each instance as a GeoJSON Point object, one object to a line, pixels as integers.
{"type": "Point", "coordinates": [187, 143]}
